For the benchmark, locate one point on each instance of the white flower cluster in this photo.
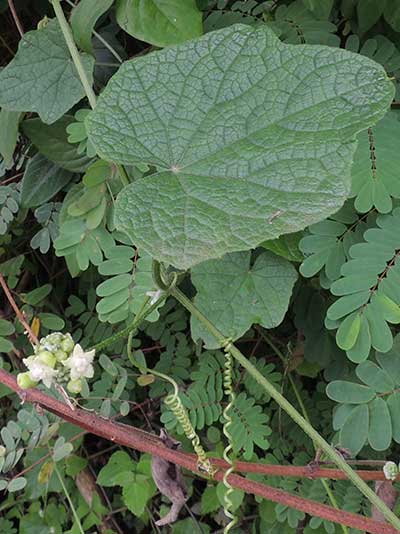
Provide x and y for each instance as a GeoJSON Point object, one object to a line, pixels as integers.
{"type": "Point", "coordinates": [391, 470]}
{"type": "Point", "coordinates": [57, 359]}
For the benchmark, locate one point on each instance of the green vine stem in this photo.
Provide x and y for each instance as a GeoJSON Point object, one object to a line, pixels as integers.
{"type": "Point", "coordinates": [321, 443]}
{"type": "Point", "coordinates": [303, 409]}
{"type": "Point", "coordinates": [73, 50]}
{"type": "Point", "coordinates": [141, 316]}
{"type": "Point", "coordinates": [68, 497]}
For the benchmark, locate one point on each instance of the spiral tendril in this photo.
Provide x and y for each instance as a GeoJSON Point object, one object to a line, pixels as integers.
{"type": "Point", "coordinates": [228, 388]}
{"type": "Point", "coordinates": [174, 403]}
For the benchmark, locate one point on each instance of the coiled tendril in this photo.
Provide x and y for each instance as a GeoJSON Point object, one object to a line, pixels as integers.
{"type": "Point", "coordinates": [174, 403]}
{"type": "Point", "coordinates": [228, 388]}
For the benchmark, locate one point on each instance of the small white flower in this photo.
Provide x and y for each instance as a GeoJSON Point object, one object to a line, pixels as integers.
{"type": "Point", "coordinates": [390, 470]}
{"type": "Point", "coordinates": [155, 295]}
{"type": "Point", "coordinates": [80, 363]}
{"type": "Point", "coordinates": [39, 371]}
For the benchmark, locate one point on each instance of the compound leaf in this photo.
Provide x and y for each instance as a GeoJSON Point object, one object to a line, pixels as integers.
{"type": "Point", "coordinates": [241, 127]}
{"type": "Point", "coordinates": [375, 169]}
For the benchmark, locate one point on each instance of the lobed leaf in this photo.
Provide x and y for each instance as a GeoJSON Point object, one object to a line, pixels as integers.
{"type": "Point", "coordinates": [227, 119]}
{"type": "Point", "coordinates": [234, 294]}
{"type": "Point", "coordinates": [42, 77]}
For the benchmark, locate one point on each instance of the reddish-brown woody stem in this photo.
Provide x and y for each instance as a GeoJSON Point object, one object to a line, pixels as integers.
{"type": "Point", "coordinates": [140, 440]}
{"type": "Point", "coordinates": [32, 337]}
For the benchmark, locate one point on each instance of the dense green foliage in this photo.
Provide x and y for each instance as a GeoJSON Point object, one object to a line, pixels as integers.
{"type": "Point", "coordinates": [251, 147]}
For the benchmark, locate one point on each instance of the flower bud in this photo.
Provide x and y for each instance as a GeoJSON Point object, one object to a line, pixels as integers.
{"type": "Point", "coordinates": [25, 381]}
{"type": "Point", "coordinates": [47, 358]}
{"type": "Point", "coordinates": [61, 355]}
{"type": "Point", "coordinates": [74, 386]}
{"type": "Point", "coordinates": [390, 470]}
{"type": "Point", "coordinates": [3, 451]}
{"type": "Point", "coordinates": [67, 344]}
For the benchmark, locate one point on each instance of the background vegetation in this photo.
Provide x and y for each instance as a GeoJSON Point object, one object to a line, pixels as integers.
{"type": "Point", "coordinates": [315, 310]}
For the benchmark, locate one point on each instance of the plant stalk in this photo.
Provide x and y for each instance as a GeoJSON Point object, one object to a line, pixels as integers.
{"type": "Point", "coordinates": [289, 409]}
{"type": "Point", "coordinates": [73, 50]}
{"type": "Point", "coordinates": [67, 495]}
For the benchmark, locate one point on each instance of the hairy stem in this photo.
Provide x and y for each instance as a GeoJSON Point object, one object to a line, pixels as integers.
{"type": "Point", "coordinates": [32, 337]}
{"type": "Point", "coordinates": [141, 316]}
{"type": "Point", "coordinates": [303, 409]}
{"type": "Point", "coordinates": [69, 39]}
{"type": "Point", "coordinates": [138, 439]}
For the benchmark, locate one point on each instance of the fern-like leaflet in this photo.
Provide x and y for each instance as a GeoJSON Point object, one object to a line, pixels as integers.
{"type": "Point", "coordinates": [369, 291]}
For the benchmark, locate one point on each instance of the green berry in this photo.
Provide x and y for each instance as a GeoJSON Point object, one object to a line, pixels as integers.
{"type": "Point", "coordinates": [67, 344]}
{"type": "Point", "coordinates": [25, 381]}
{"type": "Point", "coordinates": [74, 386]}
{"type": "Point", "coordinates": [61, 355]}
{"type": "Point", "coordinates": [47, 358]}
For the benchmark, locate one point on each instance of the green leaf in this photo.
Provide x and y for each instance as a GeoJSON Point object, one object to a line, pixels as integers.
{"type": "Point", "coordinates": [393, 403]}
{"type": "Point", "coordinates": [51, 321]}
{"type": "Point", "coordinates": [9, 121]}
{"type": "Point", "coordinates": [359, 352]}
{"type": "Point", "coordinates": [61, 449]}
{"type": "Point", "coordinates": [108, 365]}
{"type": "Point", "coordinates": [354, 432]}
{"type": "Point", "coordinates": [83, 20]}
{"type": "Point", "coordinates": [249, 426]}
{"type": "Point", "coordinates": [209, 500]}
{"type": "Point", "coordinates": [16, 484]}
{"type": "Point", "coordinates": [320, 8]}
{"type": "Point", "coordinates": [42, 180]}
{"type": "Point", "coordinates": [160, 22]}
{"type": "Point", "coordinates": [286, 246]}
{"type": "Point", "coordinates": [125, 293]}
{"type": "Point", "coordinates": [135, 496]}
{"type": "Point", "coordinates": [75, 464]}
{"type": "Point", "coordinates": [6, 328]}
{"type": "Point", "coordinates": [42, 76]}
{"type": "Point", "coordinates": [375, 167]}
{"type": "Point", "coordinates": [380, 425]}
{"type": "Point", "coordinates": [374, 377]}
{"type": "Point", "coordinates": [390, 361]}
{"type": "Point", "coordinates": [348, 331]}
{"type": "Point", "coordinates": [392, 14]}
{"type": "Point", "coordinates": [51, 141]}
{"type": "Point", "coordinates": [38, 294]}
{"type": "Point", "coordinates": [5, 345]}
{"type": "Point", "coordinates": [236, 496]}
{"type": "Point", "coordinates": [225, 147]}
{"type": "Point", "coordinates": [119, 463]}
{"type": "Point", "coordinates": [234, 294]}
{"type": "Point", "coordinates": [349, 392]}
{"type": "Point", "coordinates": [369, 12]}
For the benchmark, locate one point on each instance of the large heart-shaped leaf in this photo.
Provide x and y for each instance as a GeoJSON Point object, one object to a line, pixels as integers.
{"type": "Point", "coordinates": [42, 76]}
{"type": "Point", "coordinates": [253, 138]}
{"type": "Point", "coordinates": [234, 294]}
